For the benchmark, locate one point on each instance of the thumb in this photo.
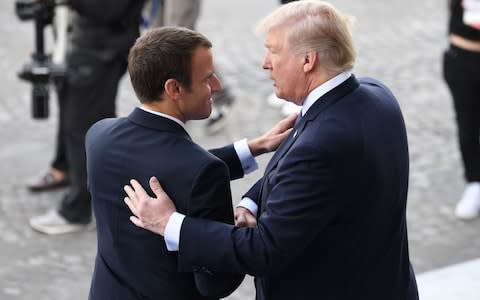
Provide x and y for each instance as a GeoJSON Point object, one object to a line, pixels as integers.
{"type": "Point", "coordinates": [156, 187]}
{"type": "Point", "coordinates": [290, 120]}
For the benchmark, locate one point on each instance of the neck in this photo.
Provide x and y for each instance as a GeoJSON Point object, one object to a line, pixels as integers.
{"type": "Point", "coordinates": [164, 107]}
{"type": "Point", "coordinates": [323, 76]}
{"type": "Point", "coordinates": [317, 79]}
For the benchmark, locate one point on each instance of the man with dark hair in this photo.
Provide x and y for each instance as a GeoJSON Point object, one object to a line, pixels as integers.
{"type": "Point", "coordinates": [171, 70]}
{"type": "Point", "coordinates": [185, 13]}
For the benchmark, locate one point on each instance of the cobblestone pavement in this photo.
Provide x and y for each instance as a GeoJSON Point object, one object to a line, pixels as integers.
{"type": "Point", "coordinates": [399, 42]}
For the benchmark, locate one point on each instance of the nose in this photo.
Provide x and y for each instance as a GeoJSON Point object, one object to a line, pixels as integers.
{"type": "Point", "coordinates": [215, 84]}
{"type": "Point", "coordinates": [267, 65]}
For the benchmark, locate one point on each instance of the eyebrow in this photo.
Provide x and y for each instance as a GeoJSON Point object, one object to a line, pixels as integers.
{"type": "Point", "coordinates": [209, 74]}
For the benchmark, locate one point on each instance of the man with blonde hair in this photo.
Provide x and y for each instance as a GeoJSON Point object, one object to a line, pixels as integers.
{"type": "Point", "coordinates": [331, 205]}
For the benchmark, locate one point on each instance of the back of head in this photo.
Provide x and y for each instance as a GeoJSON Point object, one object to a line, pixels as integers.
{"type": "Point", "coordinates": [315, 25]}
{"type": "Point", "coordinates": [160, 54]}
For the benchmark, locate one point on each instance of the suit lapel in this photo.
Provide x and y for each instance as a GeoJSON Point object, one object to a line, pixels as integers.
{"type": "Point", "coordinates": [283, 148]}
{"type": "Point", "coordinates": [320, 105]}
{"type": "Point", "coordinates": [152, 121]}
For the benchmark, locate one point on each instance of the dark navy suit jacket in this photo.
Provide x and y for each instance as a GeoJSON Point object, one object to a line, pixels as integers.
{"type": "Point", "coordinates": [332, 223]}
{"type": "Point", "coordinates": [133, 263]}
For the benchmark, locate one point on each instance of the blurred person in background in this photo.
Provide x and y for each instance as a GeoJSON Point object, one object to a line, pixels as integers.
{"type": "Point", "coordinates": [461, 67]}
{"type": "Point", "coordinates": [101, 34]}
{"type": "Point", "coordinates": [56, 175]}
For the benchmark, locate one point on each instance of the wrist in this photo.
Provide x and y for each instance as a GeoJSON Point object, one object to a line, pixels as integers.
{"type": "Point", "coordinates": [257, 146]}
{"type": "Point", "coordinates": [172, 231]}
{"type": "Point", "coordinates": [161, 226]}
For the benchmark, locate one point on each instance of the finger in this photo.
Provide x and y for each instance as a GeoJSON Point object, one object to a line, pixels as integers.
{"type": "Point", "coordinates": [139, 190]}
{"type": "Point", "coordinates": [293, 116]}
{"type": "Point", "coordinates": [137, 221]}
{"type": "Point", "coordinates": [241, 224]}
{"type": "Point", "coordinates": [156, 187]}
{"type": "Point", "coordinates": [241, 220]}
{"type": "Point", "coordinates": [290, 120]}
{"type": "Point", "coordinates": [131, 194]}
{"type": "Point", "coordinates": [284, 134]}
{"type": "Point", "coordinates": [131, 205]}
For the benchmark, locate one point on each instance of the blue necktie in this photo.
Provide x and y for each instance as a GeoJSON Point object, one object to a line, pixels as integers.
{"type": "Point", "coordinates": [298, 119]}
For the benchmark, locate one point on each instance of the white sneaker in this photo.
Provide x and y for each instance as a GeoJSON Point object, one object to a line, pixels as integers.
{"type": "Point", "coordinates": [53, 223]}
{"type": "Point", "coordinates": [469, 206]}
{"type": "Point", "coordinates": [290, 108]}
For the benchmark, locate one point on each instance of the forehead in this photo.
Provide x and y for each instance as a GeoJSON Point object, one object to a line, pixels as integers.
{"type": "Point", "coordinates": [202, 60]}
{"type": "Point", "coordinates": [275, 37]}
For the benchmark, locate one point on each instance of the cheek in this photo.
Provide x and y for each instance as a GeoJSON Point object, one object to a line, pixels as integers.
{"type": "Point", "coordinates": [205, 109]}
{"type": "Point", "coordinates": [206, 95]}
{"type": "Point", "coordinates": [282, 67]}
{"type": "Point", "coordinates": [276, 65]}
{"type": "Point", "coordinates": [280, 73]}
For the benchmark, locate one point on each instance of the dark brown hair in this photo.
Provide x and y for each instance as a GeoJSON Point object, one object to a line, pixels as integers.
{"type": "Point", "coordinates": [161, 54]}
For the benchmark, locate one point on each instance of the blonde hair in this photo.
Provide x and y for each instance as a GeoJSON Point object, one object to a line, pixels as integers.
{"type": "Point", "coordinates": [318, 26]}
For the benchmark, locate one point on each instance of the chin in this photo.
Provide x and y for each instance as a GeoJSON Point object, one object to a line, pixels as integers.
{"type": "Point", "coordinates": [207, 115]}
{"type": "Point", "coordinates": [279, 94]}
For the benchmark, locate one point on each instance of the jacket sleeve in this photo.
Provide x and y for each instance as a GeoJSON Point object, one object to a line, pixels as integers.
{"type": "Point", "coordinates": [211, 199]}
{"type": "Point", "coordinates": [230, 157]}
{"type": "Point", "coordinates": [254, 192]}
{"type": "Point", "coordinates": [300, 204]}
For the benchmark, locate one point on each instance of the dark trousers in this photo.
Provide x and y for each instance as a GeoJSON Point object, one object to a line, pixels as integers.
{"type": "Point", "coordinates": [89, 95]}
{"type": "Point", "coordinates": [461, 71]}
{"type": "Point", "coordinates": [60, 160]}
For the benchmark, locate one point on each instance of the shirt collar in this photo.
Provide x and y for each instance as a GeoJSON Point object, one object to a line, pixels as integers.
{"type": "Point", "coordinates": [322, 89]}
{"type": "Point", "coordinates": [165, 116]}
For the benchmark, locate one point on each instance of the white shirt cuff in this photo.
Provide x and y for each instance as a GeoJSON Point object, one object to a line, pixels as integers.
{"type": "Point", "coordinates": [249, 204]}
{"type": "Point", "coordinates": [172, 231]}
{"type": "Point", "coordinates": [249, 163]}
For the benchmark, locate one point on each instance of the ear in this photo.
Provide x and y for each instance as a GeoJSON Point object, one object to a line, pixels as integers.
{"type": "Point", "coordinates": [173, 88]}
{"type": "Point", "coordinates": [309, 61]}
